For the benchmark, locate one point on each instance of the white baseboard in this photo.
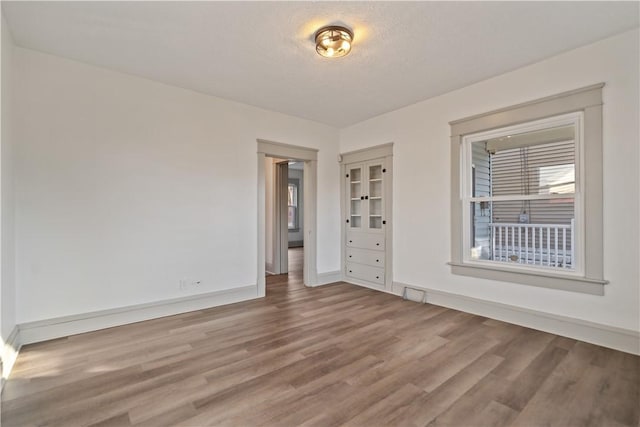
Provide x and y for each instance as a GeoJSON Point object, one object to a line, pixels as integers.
{"type": "Point", "coordinates": [43, 330]}
{"type": "Point", "coordinates": [626, 340]}
{"type": "Point", "coordinates": [327, 278]}
{"type": "Point", "coordinates": [269, 268]}
{"type": "Point", "coordinates": [9, 354]}
{"type": "Point", "coordinates": [364, 284]}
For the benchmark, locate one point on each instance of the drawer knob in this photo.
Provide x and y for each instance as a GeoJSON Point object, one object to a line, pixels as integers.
{"type": "Point", "coordinates": [366, 197]}
{"type": "Point", "coordinates": [350, 271]}
{"type": "Point", "coordinates": [377, 244]}
{"type": "Point", "coordinates": [377, 260]}
{"type": "Point", "coordinates": [361, 197]}
{"type": "Point", "coordinates": [350, 241]}
{"type": "Point", "coordinates": [377, 277]}
{"type": "Point", "coordinates": [349, 256]}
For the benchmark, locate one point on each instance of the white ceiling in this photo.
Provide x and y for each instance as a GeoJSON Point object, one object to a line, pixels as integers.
{"type": "Point", "coordinates": [262, 53]}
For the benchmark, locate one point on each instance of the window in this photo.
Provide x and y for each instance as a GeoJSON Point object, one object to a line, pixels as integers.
{"type": "Point", "coordinates": [292, 203]}
{"type": "Point", "coordinates": [522, 177]}
{"type": "Point", "coordinates": [520, 188]}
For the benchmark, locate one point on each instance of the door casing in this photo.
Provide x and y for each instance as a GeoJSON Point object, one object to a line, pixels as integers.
{"type": "Point", "coordinates": [310, 158]}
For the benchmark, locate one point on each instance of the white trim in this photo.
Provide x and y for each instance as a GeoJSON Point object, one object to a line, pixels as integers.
{"type": "Point", "coordinates": [270, 268]}
{"type": "Point", "coordinates": [375, 287]}
{"type": "Point", "coordinates": [9, 354]}
{"type": "Point", "coordinates": [572, 100]}
{"type": "Point", "coordinates": [531, 126]}
{"type": "Point", "coordinates": [328, 278]}
{"type": "Point", "coordinates": [282, 150]}
{"type": "Point", "coordinates": [43, 330]}
{"type": "Point", "coordinates": [384, 153]}
{"type": "Point", "coordinates": [522, 197]}
{"type": "Point", "coordinates": [379, 288]}
{"type": "Point", "coordinates": [309, 194]}
{"type": "Point", "coordinates": [622, 339]}
{"type": "Point", "coordinates": [575, 119]}
{"type": "Point", "coordinates": [540, 278]}
{"type": "Point", "coordinates": [368, 153]}
{"type": "Point", "coordinates": [310, 225]}
{"type": "Point", "coordinates": [262, 224]}
{"type": "Point", "coordinates": [587, 100]}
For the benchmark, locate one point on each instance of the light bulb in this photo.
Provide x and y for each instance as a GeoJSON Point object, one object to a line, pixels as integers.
{"type": "Point", "coordinates": [333, 41]}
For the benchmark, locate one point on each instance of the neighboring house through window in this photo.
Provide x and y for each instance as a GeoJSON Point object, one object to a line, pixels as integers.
{"type": "Point", "coordinates": [521, 191]}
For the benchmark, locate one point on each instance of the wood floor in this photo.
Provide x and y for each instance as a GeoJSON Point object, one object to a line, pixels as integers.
{"type": "Point", "coordinates": [294, 279]}
{"type": "Point", "coordinates": [333, 355]}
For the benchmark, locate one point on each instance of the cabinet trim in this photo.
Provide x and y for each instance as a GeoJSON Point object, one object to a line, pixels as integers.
{"type": "Point", "coordinates": [371, 153]}
{"type": "Point", "coordinates": [384, 152]}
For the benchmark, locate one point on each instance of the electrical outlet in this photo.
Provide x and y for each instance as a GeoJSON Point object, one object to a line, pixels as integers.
{"type": "Point", "coordinates": [186, 284]}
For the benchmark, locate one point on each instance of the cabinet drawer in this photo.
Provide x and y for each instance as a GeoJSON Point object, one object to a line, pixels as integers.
{"type": "Point", "coordinates": [365, 272]}
{"type": "Point", "coordinates": [367, 257]}
{"type": "Point", "coordinates": [365, 241]}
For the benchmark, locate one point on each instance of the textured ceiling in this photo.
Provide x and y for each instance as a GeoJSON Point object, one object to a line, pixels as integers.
{"type": "Point", "coordinates": [262, 53]}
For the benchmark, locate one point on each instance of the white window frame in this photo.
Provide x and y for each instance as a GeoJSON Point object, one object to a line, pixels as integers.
{"type": "Point", "coordinates": [295, 183]}
{"type": "Point", "coordinates": [589, 276]}
{"type": "Point", "coordinates": [466, 190]}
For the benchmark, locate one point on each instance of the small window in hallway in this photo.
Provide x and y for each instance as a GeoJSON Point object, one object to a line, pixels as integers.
{"type": "Point", "coordinates": [292, 203]}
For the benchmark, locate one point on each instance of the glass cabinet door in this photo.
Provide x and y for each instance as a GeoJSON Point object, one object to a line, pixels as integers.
{"type": "Point", "coordinates": [356, 196]}
{"type": "Point", "coordinates": [375, 194]}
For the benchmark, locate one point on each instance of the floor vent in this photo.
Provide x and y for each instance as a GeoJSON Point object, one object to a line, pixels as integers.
{"type": "Point", "coordinates": [414, 294]}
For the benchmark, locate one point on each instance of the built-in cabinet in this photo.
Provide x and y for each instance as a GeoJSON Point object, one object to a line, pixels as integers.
{"type": "Point", "coordinates": [367, 216]}
{"type": "Point", "coordinates": [366, 201]}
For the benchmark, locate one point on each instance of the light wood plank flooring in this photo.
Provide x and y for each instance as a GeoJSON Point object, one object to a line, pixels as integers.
{"type": "Point", "coordinates": [292, 280]}
{"type": "Point", "coordinates": [333, 355]}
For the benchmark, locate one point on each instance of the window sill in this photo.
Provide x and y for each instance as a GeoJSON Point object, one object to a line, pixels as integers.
{"type": "Point", "coordinates": [533, 278]}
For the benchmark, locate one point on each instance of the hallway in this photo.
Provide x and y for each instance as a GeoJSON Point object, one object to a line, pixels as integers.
{"type": "Point", "coordinates": [294, 279]}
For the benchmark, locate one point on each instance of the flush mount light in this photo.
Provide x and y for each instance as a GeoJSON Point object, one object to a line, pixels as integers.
{"type": "Point", "coordinates": [333, 41]}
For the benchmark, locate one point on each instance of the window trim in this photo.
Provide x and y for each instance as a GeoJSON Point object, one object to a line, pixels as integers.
{"type": "Point", "coordinates": [587, 100]}
{"type": "Point", "coordinates": [575, 119]}
{"type": "Point", "coordinates": [296, 183]}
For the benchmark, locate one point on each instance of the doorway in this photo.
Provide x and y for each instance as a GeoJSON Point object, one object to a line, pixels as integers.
{"type": "Point", "coordinates": [276, 157]}
{"type": "Point", "coordinates": [284, 197]}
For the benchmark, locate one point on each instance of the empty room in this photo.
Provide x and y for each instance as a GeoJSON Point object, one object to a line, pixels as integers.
{"type": "Point", "coordinates": [320, 213]}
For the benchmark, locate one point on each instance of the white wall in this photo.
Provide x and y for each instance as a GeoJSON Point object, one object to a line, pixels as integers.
{"type": "Point", "coordinates": [125, 186]}
{"type": "Point", "coordinates": [7, 279]}
{"type": "Point", "coordinates": [421, 245]}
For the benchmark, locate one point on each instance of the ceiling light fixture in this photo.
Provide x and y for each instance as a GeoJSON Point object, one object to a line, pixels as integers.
{"type": "Point", "coordinates": [333, 41]}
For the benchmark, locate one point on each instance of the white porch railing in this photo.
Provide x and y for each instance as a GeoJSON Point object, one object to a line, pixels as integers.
{"type": "Point", "coordinates": [550, 245]}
